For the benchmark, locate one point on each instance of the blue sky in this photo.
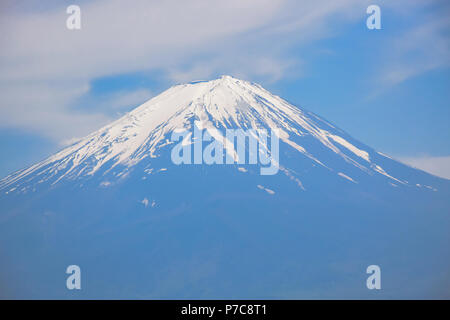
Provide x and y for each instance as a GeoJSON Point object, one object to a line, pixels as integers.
{"type": "Point", "coordinates": [389, 88]}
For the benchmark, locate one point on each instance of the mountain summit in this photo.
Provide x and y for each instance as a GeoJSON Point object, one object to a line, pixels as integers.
{"type": "Point", "coordinates": [141, 225]}
{"type": "Point", "coordinates": [225, 103]}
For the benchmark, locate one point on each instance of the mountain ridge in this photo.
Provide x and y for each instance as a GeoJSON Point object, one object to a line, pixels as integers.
{"type": "Point", "coordinates": [213, 105]}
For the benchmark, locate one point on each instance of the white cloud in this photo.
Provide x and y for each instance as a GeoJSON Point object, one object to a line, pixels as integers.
{"type": "Point", "coordinates": [44, 108]}
{"type": "Point", "coordinates": [123, 99]}
{"type": "Point", "coordinates": [422, 48]}
{"type": "Point", "coordinates": [439, 166]}
{"type": "Point", "coordinates": [271, 68]}
{"type": "Point", "coordinates": [44, 67]}
{"type": "Point", "coordinates": [120, 37]}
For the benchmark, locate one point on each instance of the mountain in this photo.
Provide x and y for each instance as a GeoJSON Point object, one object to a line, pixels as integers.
{"type": "Point", "coordinates": [141, 225]}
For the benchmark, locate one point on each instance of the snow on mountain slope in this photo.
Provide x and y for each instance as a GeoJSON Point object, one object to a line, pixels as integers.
{"type": "Point", "coordinates": [215, 105]}
{"type": "Point", "coordinates": [141, 226]}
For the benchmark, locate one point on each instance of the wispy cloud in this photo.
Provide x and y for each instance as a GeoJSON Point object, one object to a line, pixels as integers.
{"type": "Point", "coordinates": [423, 45]}
{"type": "Point", "coordinates": [270, 67]}
{"type": "Point", "coordinates": [187, 40]}
{"type": "Point", "coordinates": [119, 101]}
{"type": "Point", "coordinates": [44, 107]}
{"type": "Point", "coordinates": [439, 166]}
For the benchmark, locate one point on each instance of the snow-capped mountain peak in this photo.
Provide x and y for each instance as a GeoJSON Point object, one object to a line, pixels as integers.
{"type": "Point", "coordinates": [219, 104]}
